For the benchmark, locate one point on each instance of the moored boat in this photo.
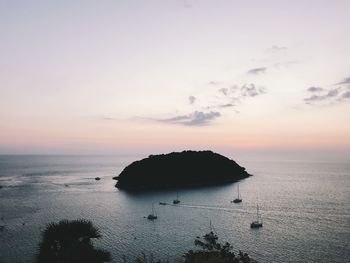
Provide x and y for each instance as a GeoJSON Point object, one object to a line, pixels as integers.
{"type": "Point", "coordinates": [176, 201]}
{"type": "Point", "coordinates": [153, 215]}
{"type": "Point", "coordinates": [258, 223]}
{"type": "Point", "coordinates": [238, 199]}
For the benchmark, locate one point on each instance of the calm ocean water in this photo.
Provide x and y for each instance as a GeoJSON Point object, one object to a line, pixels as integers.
{"type": "Point", "coordinates": [305, 206]}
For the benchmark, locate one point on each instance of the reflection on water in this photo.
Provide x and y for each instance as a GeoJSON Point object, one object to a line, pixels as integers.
{"type": "Point", "coordinates": [305, 208]}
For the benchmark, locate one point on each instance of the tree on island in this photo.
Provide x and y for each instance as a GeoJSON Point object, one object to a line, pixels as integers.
{"type": "Point", "coordinates": [70, 242]}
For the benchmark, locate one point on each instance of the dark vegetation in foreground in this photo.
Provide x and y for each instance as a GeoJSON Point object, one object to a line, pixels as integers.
{"type": "Point", "coordinates": [180, 169]}
{"type": "Point", "coordinates": [211, 251]}
{"type": "Point", "coordinates": [70, 242]}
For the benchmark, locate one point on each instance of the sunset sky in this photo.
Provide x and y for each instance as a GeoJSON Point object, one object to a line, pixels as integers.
{"type": "Point", "coordinates": [157, 76]}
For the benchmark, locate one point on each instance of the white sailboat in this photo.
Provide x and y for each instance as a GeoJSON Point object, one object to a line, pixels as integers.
{"type": "Point", "coordinates": [176, 201]}
{"type": "Point", "coordinates": [211, 236]}
{"type": "Point", "coordinates": [153, 215]}
{"type": "Point", "coordinates": [238, 199]}
{"type": "Point", "coordinates": [258, 223]}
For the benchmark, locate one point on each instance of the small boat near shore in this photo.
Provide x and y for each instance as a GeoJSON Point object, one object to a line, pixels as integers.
{"type": "Point", "coordinates": [212, 235]}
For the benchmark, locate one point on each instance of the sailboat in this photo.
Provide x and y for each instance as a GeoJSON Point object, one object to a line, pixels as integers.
{"type": "Point", "coordinates": [211, 236]}
{"type": "Point", "coordinates": [238, 199]}
{"type": "Point", "coordinates": [258, 223]}
{"type": "Point", "coordinates": [153, 215]}
{"type": "Point", "coordinates": [176, 201]}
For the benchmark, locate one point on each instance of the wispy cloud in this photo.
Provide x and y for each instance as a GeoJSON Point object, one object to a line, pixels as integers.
{"type": "Point", "coordinates": [256, 71]}
{"type": "Point", "coordinates": [326, 96]}
{"type": "Point", "coordinates": [105, 118]}
{"type": "Point", "coordinates": [275, 49]}
{"type": "Point", "coordinates": [313, 98]}
{"type": "Point", "coordinates": [331, 95]}
{"type": "Point", "coordinates": [213, 104]}
{"type": "Point", "coordinates": [227, 105]}
{"type": "Point", "coordinates": [315, 89]}
{"type": "Point", "coordinates": [346, 95]}
{"type": "Point", "coordinates": [220, 106]}
{"type": "Point", "coordinates": [197, 118]}
{"type": "Point", "coordinates": [214, 83]}
{"type": "Point", "coordinates": [192, 99]}
{"type": "Point", "coordinates": [286, 64]}
{"type": "Point", "coordinates": [236, 94]}
{"type": "Point", "coordinates": [224, 91]}
{"type": "Point", "coordinates": [344, 81]}
{"type": "Point", "coordinates": [251, 90]}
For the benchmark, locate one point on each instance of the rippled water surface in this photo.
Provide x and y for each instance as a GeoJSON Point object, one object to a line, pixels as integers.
{"type": "Point", "coordinates": [305, 206]}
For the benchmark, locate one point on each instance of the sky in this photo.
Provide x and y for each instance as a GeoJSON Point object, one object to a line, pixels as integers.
{"type": "Point", "coordinates": [130, 76]}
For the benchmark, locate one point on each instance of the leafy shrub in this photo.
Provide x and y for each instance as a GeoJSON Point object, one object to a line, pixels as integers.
{"type": "Point", "coordinates": [213, 252]}
{"type": "Point", "coordinates": [70, 242]}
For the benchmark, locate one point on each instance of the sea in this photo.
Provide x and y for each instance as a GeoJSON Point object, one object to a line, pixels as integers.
{"type": "Point", "coordinates": [304, 205]}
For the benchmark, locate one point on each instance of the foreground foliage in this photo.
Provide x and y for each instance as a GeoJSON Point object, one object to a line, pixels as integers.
{"type": "Point", "coordinates": [213, 252]}
{"type": "Point", "coordinates": [210, 251]}
{"type": "Point", "coordinates": [70, 242]}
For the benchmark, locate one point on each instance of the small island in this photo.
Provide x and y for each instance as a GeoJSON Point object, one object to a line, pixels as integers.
{"type": "Point", "coordinates": [180, 169]}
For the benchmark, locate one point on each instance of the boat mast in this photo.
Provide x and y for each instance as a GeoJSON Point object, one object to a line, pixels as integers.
{"type": "Point", "coordinates": [153, 211]}
{"type": "Point", "coordinates": [211, 227]}
{"type": "Point", "coordinates": [238, 191]}
{"type": "Point", "coordinates": [257, 212]}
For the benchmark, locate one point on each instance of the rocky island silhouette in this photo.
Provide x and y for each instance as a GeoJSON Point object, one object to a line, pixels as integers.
{"type": "Point", "coordinates": [180, 169]}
